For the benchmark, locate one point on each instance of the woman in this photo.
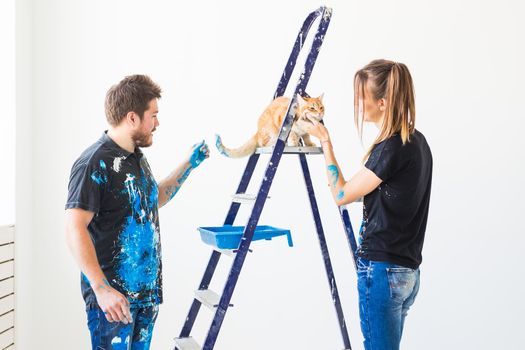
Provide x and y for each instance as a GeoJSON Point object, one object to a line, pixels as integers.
{"type": "Point", "coordinates": [395, 183]}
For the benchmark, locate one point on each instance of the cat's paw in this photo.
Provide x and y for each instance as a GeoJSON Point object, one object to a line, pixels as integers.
{"type": "Point", "coordinates": [310, 144]}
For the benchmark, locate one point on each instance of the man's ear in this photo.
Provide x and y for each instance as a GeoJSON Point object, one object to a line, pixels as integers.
{"type": "Point", "coordinates": [132, 119]}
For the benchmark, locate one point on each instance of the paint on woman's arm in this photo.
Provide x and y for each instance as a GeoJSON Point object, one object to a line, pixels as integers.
{"type": "Point", "coordinates": [340, 195]}
{"type": "Point", "coordinates": [334, 174]}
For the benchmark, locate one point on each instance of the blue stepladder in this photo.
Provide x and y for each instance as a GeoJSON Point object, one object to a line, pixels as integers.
{"type": "Point", "coordinates": [220, 304]}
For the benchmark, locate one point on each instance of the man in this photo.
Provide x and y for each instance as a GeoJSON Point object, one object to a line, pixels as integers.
{"type": "Point", "coordinates": [112, 224]}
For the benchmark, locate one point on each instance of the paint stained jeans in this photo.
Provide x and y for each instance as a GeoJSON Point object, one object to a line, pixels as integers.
{"type": "Point", "coordinates": [386, 292]}
{"type": "Point", "coordinates": [119, 336]}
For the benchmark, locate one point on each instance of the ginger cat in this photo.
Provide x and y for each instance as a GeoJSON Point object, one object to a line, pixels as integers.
{"type": "Point", "coordinates": [270, 122]}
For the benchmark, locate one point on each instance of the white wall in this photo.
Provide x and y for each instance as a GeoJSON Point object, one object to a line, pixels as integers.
{"type": "Point", "coordinates": [218, 64]}
{"type": "Point", "coordinates": [7, 117]}
{"type": "Point", "coordinates": [25, 241]}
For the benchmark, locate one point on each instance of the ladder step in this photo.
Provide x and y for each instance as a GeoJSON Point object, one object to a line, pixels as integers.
{"type": "Point", "coordinates": [228, 252]}
{"type": "Point", "coordinates": [245, 198]}
{"type": "Point", "coordinates": [291, 150]}
{"type": "Point", "coordinates": [187, 344]}
{"type": "Point", "coordinates": [208, 298]}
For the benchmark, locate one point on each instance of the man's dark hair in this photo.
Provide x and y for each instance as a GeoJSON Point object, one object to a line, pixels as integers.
{"type": "Point", "coordinates": [131, 94]}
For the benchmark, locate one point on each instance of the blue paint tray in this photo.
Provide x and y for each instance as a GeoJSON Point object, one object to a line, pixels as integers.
{"type": "Point", "coordinates": [229, 237]}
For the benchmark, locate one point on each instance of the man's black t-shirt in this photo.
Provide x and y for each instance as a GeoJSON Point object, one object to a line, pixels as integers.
{"type": "Point", "coordinates": [395, 214]}
{"type": "Point", "coordinates": [119, 188]}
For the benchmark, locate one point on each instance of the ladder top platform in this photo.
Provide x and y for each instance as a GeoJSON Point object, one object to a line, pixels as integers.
{"type": "Point", "coordinates": [291, 150]}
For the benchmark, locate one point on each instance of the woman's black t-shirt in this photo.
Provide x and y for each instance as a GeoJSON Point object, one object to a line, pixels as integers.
{"type": "Point", "coordinates": [395, 213]}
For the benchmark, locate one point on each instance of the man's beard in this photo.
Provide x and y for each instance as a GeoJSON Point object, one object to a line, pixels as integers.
{"type": "Point", "coordinates": [142, 139]}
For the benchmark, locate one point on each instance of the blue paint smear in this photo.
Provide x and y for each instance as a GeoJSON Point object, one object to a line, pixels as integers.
{"type": "Point", "coordinates": [139, 257]}
{"type": "Point", "coordinates": [198, 155]}
{"type": "Point", "coordinates": [170, 192]}
{"type": "Point", "coordinates": [123, 335]}
{"type": "Point", "coordinates": [334, 172]}
{"type": "Point", "coordinates": [361, 231]}
{"type": "Point", "coordinates": [340, 195]}
{"type": "Point", "coordinates": [99, 176]}
{"type": "Point", "coordinates": [84, 277]}
{"type": "Point", "coordinates": [139, 265]}
{"type": "Point", "coordinates": [220, 146]}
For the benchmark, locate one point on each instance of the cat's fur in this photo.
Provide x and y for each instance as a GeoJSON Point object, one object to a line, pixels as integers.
{"type": "Point", "coordinates": [270, 122]}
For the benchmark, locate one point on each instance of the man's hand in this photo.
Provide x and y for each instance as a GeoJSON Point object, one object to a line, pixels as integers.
{"type": "Point", "coordinates": [198, 153]}
{"type": "Point", "coordinates": [114, 305]}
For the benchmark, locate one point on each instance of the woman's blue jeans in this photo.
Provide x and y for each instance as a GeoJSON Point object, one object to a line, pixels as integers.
{"type": "Point", "coordinates": [386, 292]}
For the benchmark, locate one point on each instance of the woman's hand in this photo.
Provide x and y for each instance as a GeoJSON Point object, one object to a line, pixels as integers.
{"type": "Point", "coordinates": [318, 130]}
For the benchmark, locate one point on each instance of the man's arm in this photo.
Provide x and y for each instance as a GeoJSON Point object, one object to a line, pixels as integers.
{"type": "Point", "coordinates": [172, 184]}
{"type": "Point", "coordinates": [113, 303]}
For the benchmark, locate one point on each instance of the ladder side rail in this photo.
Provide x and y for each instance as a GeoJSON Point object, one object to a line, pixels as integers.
{"type": "Point", "coordinates": [324, 249]}
{"type": "Point", "coordinates": [298, 45]}
{"type": "Point", "coordinates": [196, 304]}
{"type": "Point", "coordinates": [345, 217]}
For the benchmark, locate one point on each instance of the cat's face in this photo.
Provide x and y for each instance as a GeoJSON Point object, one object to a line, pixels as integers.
{"type": "Point", "coordinates": [310, 108]}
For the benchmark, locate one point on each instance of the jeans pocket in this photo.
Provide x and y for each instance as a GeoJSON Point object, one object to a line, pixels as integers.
{"type": "Point", "coordinates": [401, 281]}
{"type": "Point", "coordinates": [362, 265]}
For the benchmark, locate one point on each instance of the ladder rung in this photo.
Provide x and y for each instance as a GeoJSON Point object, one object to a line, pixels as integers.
{"type": "Point", "coordinates": [227, 252]}
{"type": "Point", "coordinates": [187, 344]}
{"type": "Point", "coordinates": [245, 198]}
{"type": "Point", "coordinates": [208, 298]}
{"type": "Point", "coordinates": [291, 150]}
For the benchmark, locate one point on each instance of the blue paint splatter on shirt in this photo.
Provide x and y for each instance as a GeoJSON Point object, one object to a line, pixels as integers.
{"type": "Point", "coordinates": [139, 258]}
{"type": "Point", "coordinates": [99, 176]}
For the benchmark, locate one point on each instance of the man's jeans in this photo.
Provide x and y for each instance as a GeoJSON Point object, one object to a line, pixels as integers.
{"type": "Point", "coordinates": [119, 336]}
{"type": "Point", "coordinates": [386, 292]}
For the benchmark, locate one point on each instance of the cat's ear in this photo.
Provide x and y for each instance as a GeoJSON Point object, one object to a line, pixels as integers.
{"type": "Point", "coordinates": [321, 97]}
{"type": "Point", "coordinates": [301, 100]}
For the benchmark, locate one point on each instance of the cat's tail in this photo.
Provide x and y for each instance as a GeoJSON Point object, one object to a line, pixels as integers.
{"type": "Point", "coordinates": [245, 150]}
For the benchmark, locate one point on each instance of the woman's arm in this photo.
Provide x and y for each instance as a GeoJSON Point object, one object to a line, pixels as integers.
{"type": "Point", "coordinates": [343, 192]}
